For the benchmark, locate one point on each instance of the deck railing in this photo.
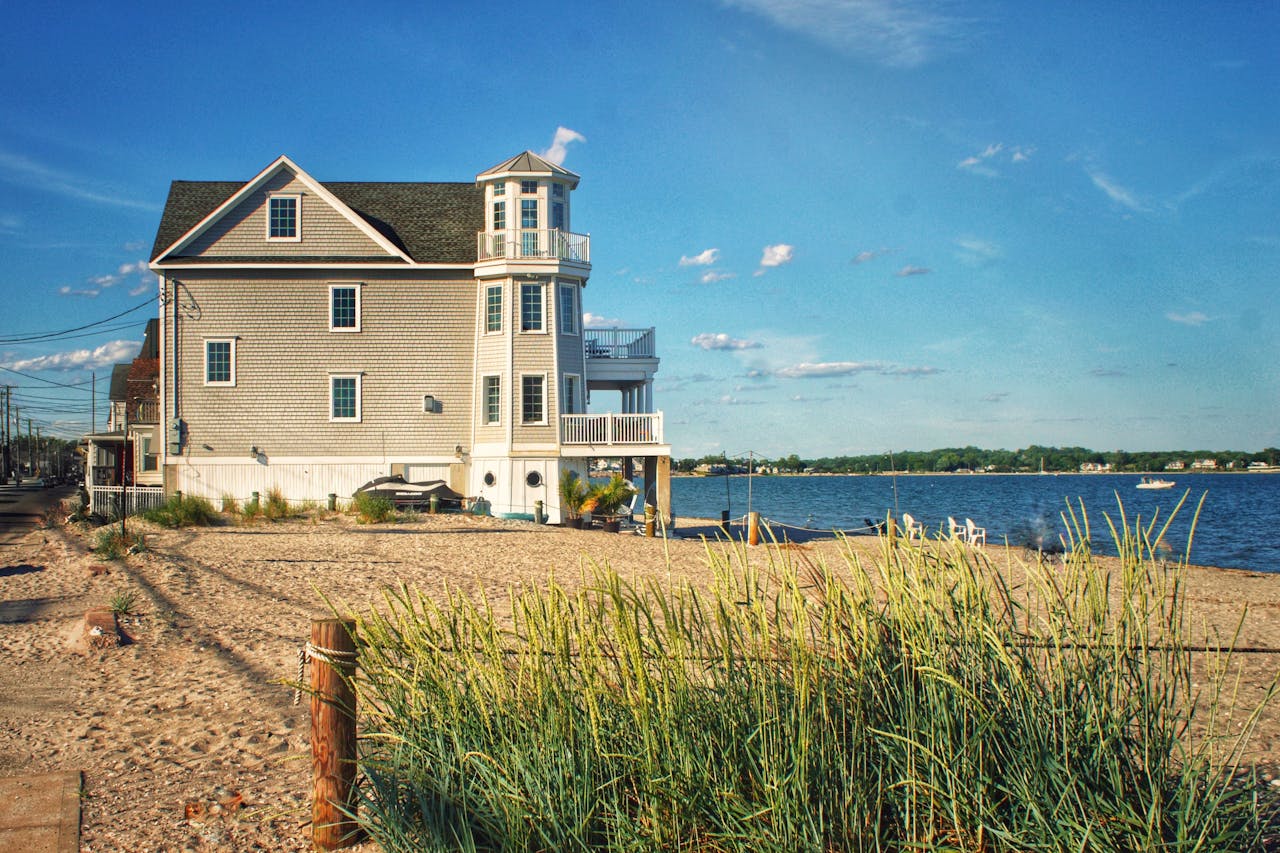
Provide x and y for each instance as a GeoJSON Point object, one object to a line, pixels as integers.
{"type": "Point", "coordinates": [645, 428]}
{"type": "Point", "coordinates": [109, 501]}
{"type": "Point", "coordinates": [532, 243]}
{"type": "Point", "coordinates": [619, 343]}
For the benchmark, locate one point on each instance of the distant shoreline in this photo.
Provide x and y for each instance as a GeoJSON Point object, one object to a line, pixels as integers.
{"type": "Point", "coordinates": [1170, 474]}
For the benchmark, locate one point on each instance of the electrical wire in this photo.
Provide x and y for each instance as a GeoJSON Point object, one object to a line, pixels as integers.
{"type": "Point", "coordinates": [76, 385]}
{"type": "Point", "coordinates": [43, 336]}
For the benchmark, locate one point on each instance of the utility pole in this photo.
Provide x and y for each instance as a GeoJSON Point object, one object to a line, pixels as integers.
{"type": "Point", "coordinates": [4, 434]}
{"type": "Point", "coordinates": [41, 456]}
{"type": "Point", "coordinates": [93, 404]}
{"type": "Point", "coordinates": [31, 451]}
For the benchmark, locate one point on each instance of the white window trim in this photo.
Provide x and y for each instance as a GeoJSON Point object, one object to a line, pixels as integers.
{"type": "Point", "coordinates": [574, 317]}
{"type": "Point", "coordinates": [484, 399]}
{"type": "Point", "coordinates": [565, 393]}
{"type": "Point", "coordinates": [502, 309]}
{"type": "Point", "coordinates": [355, 285]}
{"type": "Point", "coordinates": [297, 221]}
{"type": "Point", "coordinates": [232, 382]}
{"type": "Point", "coordinates": [545, 399]}
{"type": "Point", "coordinates": [542, 285]}
{"type": "Point", "coordinates": [359, 378]}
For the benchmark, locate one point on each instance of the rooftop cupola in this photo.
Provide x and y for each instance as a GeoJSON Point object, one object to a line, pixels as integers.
{"type": "Point", "coordinates": [527, 215]}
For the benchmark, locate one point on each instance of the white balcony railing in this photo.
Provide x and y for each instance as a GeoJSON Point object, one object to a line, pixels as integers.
{"type": "Point", "coordinates": [619, 343]}
{"type": "Point", "coordinates": [533, 244]}
{"type": "Point", "coordinates": [609, 429]}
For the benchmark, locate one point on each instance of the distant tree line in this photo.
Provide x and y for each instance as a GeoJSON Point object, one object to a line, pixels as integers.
{"type": "Point", "coordinates": [953, 459]}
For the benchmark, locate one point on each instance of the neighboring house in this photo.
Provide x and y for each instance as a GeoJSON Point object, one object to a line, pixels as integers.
{"type": "Point", "coordinates": [1176, 465]}
{"type": "Point", "coordinates": [1204, 465]}
{"type": "Point", "coordinates": [315, 336]}
{"type": "Point", "coordinates": [128, 452]}
{"type": "Point", "coordinates": [1095, 467]}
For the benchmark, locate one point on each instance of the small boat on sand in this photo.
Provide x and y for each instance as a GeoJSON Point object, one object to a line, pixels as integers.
{"type": "Point", "coordinates": [1152, 483]}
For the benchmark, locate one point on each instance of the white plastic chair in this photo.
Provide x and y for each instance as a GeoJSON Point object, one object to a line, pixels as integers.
{"type": "Point", "coordinates": [976, 535]}
{"type": "Point", "coordinates": [957, 531]}
{"type": "Point", "coordinates": [911, 528]}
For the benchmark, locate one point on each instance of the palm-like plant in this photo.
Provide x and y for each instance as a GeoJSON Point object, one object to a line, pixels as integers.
{"type": "Point", "coordinates": [573, 493]}
{"type": "Point", "coordinates": [605, 499]}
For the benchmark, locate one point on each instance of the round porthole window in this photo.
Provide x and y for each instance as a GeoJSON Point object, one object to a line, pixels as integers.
{"type": "Point", "coordinates": [534, 479]}
{"type": "Point", "coordinates": [489, 479]}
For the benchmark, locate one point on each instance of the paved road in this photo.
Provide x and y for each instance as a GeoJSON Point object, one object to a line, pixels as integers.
{"type": "Point", "coordinates": [22, 509]}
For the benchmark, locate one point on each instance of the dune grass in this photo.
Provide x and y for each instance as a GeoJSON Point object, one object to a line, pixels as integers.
{"type": "Point", "coordinates": [921, 702]}
{"type": "Point", "coordinates": [184, 511]}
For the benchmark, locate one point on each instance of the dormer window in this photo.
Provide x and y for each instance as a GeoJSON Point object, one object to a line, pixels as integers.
{"type": "Point", "coordinates": [282, 217]}
{"type": "Point", "coordinates": [528, 187]}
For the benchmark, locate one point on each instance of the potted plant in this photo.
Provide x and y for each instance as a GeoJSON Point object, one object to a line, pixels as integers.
{"type": "Point", "coordinates": [607, 498]}
{"type": "Point", "coordinates": [573, 494]}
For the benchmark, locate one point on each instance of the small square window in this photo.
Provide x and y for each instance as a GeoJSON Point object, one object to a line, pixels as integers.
{"type": "Point", "coordinates": [531, 307]}
{"type": "Point", "coordinates": [220, 362]}
{"type": "Point", "coordinates": [492, 399]}
{"type": "Point", "coordinates": [282, 217]}
{"type": "Point", "coordinates": [493, 308]}
{"type": "Point", "coordinates": [344, 397]}
{"type": "Point", "coordinates": [500, 188]}
{"type": "Point", "coordinates": [344, 308]}
{"type": "Point", "coordinates": [528, 187]}
{"type": "Point", "coordinates": [532, 403]}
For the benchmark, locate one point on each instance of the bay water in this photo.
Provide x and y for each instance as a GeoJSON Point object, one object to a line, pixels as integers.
{"type": "Point", "coordinates": [1239, 524]}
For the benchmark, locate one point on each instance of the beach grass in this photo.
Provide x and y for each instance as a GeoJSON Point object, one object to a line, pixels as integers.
{"type": "Point", "coordinates": [915, 701]}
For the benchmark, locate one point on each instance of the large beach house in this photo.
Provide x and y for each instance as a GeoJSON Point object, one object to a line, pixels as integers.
{"type": "Point", "coordinates": [315, 336]}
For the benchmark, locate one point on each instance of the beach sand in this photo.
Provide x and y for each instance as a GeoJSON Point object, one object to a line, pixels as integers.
{"type": "Point", "coordinates": [189, 740]}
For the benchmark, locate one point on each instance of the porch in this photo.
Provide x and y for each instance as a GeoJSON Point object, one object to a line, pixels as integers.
{"type": "Point", "coordinates": [533, 244]}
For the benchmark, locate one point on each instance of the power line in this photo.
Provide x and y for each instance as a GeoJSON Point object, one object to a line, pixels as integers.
{"type": "Point", "coordinates": [77, 385]}
{"type": "Point", "coordinates": [41, 336]}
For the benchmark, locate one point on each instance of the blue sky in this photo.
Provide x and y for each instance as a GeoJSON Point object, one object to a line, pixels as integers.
{"type": "Point", "coordinates": [858, 225]}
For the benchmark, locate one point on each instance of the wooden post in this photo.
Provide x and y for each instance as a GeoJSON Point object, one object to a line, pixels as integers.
{"type": "Point", "coordinates": [753, 528]}
{"type": "Point", "coordinates": [333, 733]}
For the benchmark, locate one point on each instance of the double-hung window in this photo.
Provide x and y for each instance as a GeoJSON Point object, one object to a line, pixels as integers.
{"type": "Point", "coordinates": [528, 187]}
{"type": "Point", "coordinates": [344, 307]}
{"type": "Point", "coordinates": [531, 307]}
{"type": "Point", "coordinates": [493, 399]}
{"type": "Point", "coordinates": [533, 400]}
{"type": "Point", "coordinates": [493, 308]}
{"type": "Point", "coordinates": [572, 394]}
{"type": "Point", "coordinates": [568, 316]}
{"type": "Point", "coordinates": [220, 361]}
{"type": "Point", "coordinates": [344, 397]}
{"type": "Point", "coordinates": [283, 217]}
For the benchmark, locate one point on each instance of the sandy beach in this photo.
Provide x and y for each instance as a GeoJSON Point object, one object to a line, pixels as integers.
{"type": "Point", "coordinates": [189, 740]}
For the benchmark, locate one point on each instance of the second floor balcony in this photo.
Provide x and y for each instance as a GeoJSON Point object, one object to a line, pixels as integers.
{"type": "Point", "coordinates": [524, 244]}
{"type": "Point", "coordinates": [612, 430]}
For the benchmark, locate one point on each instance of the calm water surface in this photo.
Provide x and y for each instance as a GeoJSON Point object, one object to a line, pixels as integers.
{"type": "Point", "coordinates": [1239, 526]}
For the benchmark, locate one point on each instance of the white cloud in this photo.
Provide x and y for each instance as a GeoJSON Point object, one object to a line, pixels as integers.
{"type": "Point", "coordinates": [910, 270]}
{"type": "Point", "coordinates": [1194, 318]}
{"type": "Point", "coordinates": [595, 321]}
{"type": "Point", "coordinates": [896, 33]}
{"type": "Point", "coordinates": [721, 341]}
{"type": "Point", "coordinates": [777, 255]}
{"type": "Point", "coordinates": [19, 170]}
{"type": "Point", "coordinates": [103, 356]}
{"type": "Point", "coordinates": [67, 290]}
{"type": "Point", "coordinates": [981, 163]}
{"type": "Point", "coordinates": [825, 369]}
{"type": "Point", "coordinates": [712, 276]}
{"type": "Point", "coordinates": [560, 143]}
{"type": "Point", "coordinates": [705, 258]}
{"type": "Point", "coordinates": [140, 289]}
{"type": "Point", "coordinates": [1120, 195]}
{"type": "Point", "coordinates": [976, 252]}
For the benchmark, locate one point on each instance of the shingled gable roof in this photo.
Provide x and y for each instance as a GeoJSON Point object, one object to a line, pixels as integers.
{"type": "Point", "coordinates": [426, 223]}
{"type": "Point", "coordinates": [528, 163]}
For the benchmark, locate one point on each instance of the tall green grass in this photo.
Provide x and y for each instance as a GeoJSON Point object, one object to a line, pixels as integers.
{"type": "Point", "coordinates": [182, 511]}
{"type": "Point", "coordinates": [921, 702]}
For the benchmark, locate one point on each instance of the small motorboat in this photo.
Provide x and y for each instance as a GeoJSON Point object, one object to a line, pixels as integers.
{"type": "Point", "coordinates": [1154, 483]}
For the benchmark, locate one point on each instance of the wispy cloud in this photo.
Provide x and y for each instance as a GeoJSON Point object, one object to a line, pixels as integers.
{"type": "Point", "coordinates": [995, 397]}
{"type": "Point", "coordinates": [90, 292]}
{"type": "Point", "coordinates": [1106, 372]}
{"type": "Point", "coordinates": [1117, 193]}
{"type": "Point", "coordinates": [975, 252]}
{"type": "Point", "coordinates": [595, 321]}
{"type": "Point", "coordinates": [1193, 318]}
{"type": "Point", "coordinates": [983, 163]}
{"type": "Point", "coordinates": [825, 369]}
{"type": "Point", "coordinates": [705, 258]}
{"type": "Point", "coordinates": [712, 276]}
{"type": "Point", "coordinates": [909, 271]}
{"type": "Point", "coordinates": [870, 255]}
{"type": "Point", "coordinates": [721, 341]}
{"type": "Point", "coordinates": [23, 171]}
{"type": "Point", "coordinates": [103, 356]}
{"type": "Point", "coordinates": [560, 144]}
{"type": "Point", "coordinates": [895, 33]}
{"type": "Point", "coordinates": [98, 283]}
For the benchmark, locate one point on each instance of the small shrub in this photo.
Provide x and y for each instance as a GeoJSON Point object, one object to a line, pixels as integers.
{"type": "Point", "coordinates": [123, 601]}
{"type": "Point", "coordinates": [112, 544]}
{"type": "Point", "coordinates": [373, 510]}
{"type": "Point", "coordinates": [185, 511]}
{"type": "Point", "coordinates": [277, 508]}
{"type": "Point", "coordinates": [230, 506]}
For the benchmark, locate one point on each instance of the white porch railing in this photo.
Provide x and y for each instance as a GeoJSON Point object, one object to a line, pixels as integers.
{"type": "Point", "coordinates": [539, 244]}
{"type": "Point", "coordinates": [108, 501]}
{"type": "Point", "coordinates": [619, 343]}
{"type": "Point", "coordinates": [608, 429]}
